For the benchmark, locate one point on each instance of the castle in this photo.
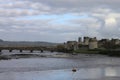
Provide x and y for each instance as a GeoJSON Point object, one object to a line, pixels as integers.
{"type": "Point", "coordinates": [91, 43]}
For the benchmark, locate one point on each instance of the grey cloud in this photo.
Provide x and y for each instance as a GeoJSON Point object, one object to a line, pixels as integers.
{"type": "Point", "coordinates": [81, 4]}
{"type": "Point", "coordinates": [36, 25]}
{"type": "Point", "coordinates": [88, 26]}
{"type": "Point", "coordinates": [37, 7]}
{"type": "Point", "coordinates": [100, 14]}
{"type": "Point", "coordinates": [22, 8]}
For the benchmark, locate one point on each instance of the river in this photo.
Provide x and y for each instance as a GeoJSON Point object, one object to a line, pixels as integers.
{"type": "Point", "coordinates": [89, 67]}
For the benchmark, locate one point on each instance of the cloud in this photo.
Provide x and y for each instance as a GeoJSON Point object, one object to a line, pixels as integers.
{"type": "Point", "coordinates": [11, 8]}
{"type": "Point", "coordinates": [35, 7]}
{"type": "Point", "coordinates": [63, 19]}
{"type": "Point", "coordinates": [110, 27]}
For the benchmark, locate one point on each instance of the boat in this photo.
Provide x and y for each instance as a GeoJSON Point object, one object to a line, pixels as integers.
{"type": "Point", "coordinates": [74, 70]}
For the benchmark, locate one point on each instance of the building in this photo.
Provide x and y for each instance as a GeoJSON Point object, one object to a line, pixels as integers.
{"type": "Point", "coordinates": [115, 41]}
{"type": "Point", "coordinates": [93, 43]}
{"type": "Point", "coordinates": [79, 40]}
{"type": "Point", "coordinates": [86, 40]}
{"type": "Point", "coordinates": [71, 45]}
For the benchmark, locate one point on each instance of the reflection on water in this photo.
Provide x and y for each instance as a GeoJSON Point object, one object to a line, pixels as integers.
{"type": "Point", "coordinates": [81, 74]}
{"type": "Point", "coordinates": [88, 68]}
{"type": "Point", "coordinates": [97, 73]}
{"type": "Point", "coordinates": [110, 71]}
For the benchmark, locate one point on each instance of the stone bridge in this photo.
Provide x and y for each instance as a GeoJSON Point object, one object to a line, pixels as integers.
{"type": "Point", "coordinates": [31, 49]}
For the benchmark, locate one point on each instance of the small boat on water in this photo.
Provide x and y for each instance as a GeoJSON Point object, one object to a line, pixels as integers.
{"type": "Point", "coordinates": [74, 70]}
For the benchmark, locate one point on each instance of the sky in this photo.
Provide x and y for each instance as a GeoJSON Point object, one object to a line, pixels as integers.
{"type": "Point", "coordinates": [58, 20]}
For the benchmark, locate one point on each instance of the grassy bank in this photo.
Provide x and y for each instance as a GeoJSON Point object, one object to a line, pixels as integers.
{"type": "Point", "coordinates": [87, 51]}
{"type": "Point", "coordinates": [114, 53]}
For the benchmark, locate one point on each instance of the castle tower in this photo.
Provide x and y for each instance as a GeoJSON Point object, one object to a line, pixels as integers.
{"type": "Point", "coordinates": [72, 45]}
{"type": "Point", "coordinates": [93, 44]}
{"type": "Point", "coordinates": [79, 39]}
{"type": "Point", "coordinates": [115, 41]}
{"type": "Point", "coordinates": [86, 40]}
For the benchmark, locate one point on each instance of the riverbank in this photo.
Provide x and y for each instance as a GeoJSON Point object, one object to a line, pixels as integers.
{"type": "Point", "coordinates": [8, 56]}
{"type": "Point", "coordinates": [75, 54]}
{"type": "Point", "coordinates": [18, 56]}
{"type": "Point", "coordinates": [49, 55]}
{"type": "Point", "coordinates": [112, 53]}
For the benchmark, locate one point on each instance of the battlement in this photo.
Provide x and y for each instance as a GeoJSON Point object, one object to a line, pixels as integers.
{"type": "Point", "coordinates": [91, 43]}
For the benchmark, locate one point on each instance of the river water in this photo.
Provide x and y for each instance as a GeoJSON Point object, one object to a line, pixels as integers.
{"type": "Point", "coordinates": [89, 67]}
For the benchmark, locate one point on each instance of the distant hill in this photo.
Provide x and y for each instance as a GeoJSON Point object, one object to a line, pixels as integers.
{"type": "Point", "coordinates": [26, 43]}
{"type": "Point", "coordinates": [1, 40]}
